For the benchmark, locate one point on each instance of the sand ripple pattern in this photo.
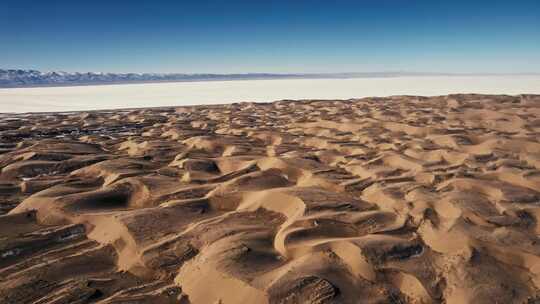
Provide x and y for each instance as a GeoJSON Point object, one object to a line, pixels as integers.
{"type": "Point", "coordinates": [379, 200]}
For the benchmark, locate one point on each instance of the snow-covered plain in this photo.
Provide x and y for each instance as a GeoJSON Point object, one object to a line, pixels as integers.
{"type": "Point", "coordinates": [78, 98]}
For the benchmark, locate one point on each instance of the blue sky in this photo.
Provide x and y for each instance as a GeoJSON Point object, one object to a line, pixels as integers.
{"type": "Point", "coordinates": [271, 36]}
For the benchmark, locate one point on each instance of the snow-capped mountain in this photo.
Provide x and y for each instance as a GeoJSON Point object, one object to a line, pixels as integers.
{"type": "Point", "coordinates": [28, 78]}
{"type": "Point", "coordinates": [12, 78]}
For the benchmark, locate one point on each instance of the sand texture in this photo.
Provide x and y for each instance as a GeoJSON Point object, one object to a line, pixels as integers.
{"type": "Point", "coordinates": [377, 200]}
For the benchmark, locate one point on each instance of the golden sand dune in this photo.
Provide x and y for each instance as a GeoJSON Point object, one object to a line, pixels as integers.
{"type": "Point", "coordinates": [379, 200]}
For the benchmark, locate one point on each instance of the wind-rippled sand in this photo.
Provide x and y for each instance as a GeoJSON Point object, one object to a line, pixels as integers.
{"type": "Point", "coordinates": [376, 200]}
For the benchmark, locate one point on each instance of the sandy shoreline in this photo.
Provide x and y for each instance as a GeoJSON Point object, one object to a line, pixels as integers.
{"type": "Point", "coordinates": [377, 200]}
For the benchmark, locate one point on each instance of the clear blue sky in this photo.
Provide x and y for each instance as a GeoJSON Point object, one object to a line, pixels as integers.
{"type": "Point", "coordinates": [271, 36]}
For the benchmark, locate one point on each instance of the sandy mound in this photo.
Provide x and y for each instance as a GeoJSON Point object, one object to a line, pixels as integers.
{"type": "Point", "coordinates": [379, 200]}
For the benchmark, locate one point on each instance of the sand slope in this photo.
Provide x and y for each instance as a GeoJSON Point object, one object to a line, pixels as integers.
{"type": "Point", "coordinates": [378, 200]}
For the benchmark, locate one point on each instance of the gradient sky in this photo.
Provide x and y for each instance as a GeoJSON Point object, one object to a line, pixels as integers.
{"type": "Point", "coordinates": [271, 36]}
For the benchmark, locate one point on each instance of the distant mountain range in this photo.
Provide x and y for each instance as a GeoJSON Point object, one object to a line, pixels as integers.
{"type": "Point", "coordinates": [31, 78]}
{"type": "Point", "coordinates": [12, 78]}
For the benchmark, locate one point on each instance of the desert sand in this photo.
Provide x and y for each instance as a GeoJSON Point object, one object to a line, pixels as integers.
{"type": "Point", "coordinates": [402, 199]}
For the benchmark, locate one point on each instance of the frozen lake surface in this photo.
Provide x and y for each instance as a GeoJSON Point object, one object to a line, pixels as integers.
{"type": "Point", "coordinates": [49, 99]}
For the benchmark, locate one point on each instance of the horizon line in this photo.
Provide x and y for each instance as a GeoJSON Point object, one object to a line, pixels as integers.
{"type": "Point", "coordinates": [405, 72]}
{"type": "Point", "coordinates": [18, 78]}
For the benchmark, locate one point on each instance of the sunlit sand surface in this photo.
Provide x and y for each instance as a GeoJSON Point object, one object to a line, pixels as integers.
{"type": "Point", "coordinates": [378, 200]}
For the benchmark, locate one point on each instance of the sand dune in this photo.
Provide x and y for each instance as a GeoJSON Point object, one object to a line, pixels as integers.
{"type": "Point", "coordinates": [402, 199]}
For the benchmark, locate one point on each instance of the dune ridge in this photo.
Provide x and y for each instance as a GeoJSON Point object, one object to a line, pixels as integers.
{"type": "Point", "coordinates": [404, 199]}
